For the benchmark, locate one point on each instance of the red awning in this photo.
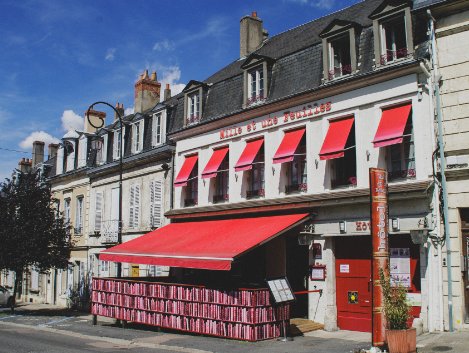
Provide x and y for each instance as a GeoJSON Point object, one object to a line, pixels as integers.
{"type": "Point", "coordinates": [288, 146]}
{"type": "Point", "coordinates": [213, 164]}
{"type": "Point", "coordinates": [249, 154]}
{"type": "Point", "coordinates": [186, 170]}
{"type": "Point", "coordinates": [336, 138]}
{"type": "Point", "coordinates": [210, 245]}
{"type": "Point", "coordinates": [392, 125]}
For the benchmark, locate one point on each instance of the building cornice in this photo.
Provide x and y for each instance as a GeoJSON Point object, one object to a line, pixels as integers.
{"type": "Point", "coordinates": [410, 190]}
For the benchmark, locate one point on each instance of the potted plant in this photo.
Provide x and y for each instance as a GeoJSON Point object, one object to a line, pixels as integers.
{"type": "Point", "coordinates": [399, 337]}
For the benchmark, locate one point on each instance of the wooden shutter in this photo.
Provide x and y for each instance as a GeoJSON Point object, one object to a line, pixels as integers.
{"type": "Point", "coordinates": [141, 135]}
{"type": "Point", "coordinates": [98, 212]}
{"type": "Point", "coordinates": [104, 150]}
{"type": "Point", "coordinates": [136, 205]}
{"type": "Point", "coordinates": [156, 196]}
{"type": "Point", "coordinates": [131, 206]}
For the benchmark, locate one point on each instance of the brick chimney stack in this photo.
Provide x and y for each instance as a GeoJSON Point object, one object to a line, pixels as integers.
{"type": "Point", "coordinates": [38, 153]}
{"type": "Point", "coordinates": [120, 109]}
{"type": "Point", "coordinates": [24, 165]}
{"type": "Point", "coordinates": [96, 117]}
{"type": "Point", "coordinates": [147, 92]}
{"type": "Point", "coordinates": [167, 92]}
{"type": "Point", "coordinates": [53, 147]}
{"type": "Point", "coordinates": [251, 33]}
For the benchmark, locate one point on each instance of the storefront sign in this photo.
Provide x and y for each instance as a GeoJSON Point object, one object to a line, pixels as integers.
{"type": "Point", "coordinates": [344, 268]}
{"type": "Point", "coordinates": [380, 256]}
{"type": "Point", "coordinates": [287, 117]}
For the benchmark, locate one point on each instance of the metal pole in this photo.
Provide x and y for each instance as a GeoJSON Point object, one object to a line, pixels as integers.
{"type": "Point", "coordinates": [121, 125]}
{"type": "Point", "coordinates": [444, 190]}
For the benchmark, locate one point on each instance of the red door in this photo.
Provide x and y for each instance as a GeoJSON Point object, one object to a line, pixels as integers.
{"type": "Point", "coordinates": [353, 283]}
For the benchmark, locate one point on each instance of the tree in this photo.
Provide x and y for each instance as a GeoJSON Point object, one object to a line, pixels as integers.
{"type": "Point", "coordinates": [32, 234]}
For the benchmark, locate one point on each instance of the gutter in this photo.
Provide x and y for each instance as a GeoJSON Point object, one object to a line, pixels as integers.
{"type": "Point", "coordinates": [441, 147]}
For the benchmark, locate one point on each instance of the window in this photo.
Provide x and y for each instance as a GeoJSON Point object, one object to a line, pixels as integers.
{"type": "Point", "coordinates": [157, 137]}
{"type": "Point", "coordinates": [69, 156]}
{"type": "Point", "coordinates": [255, 176]}
{"type": "Point", "coordinates": [137, 137]}
{"type": "Point", "coordinates": [192, 188]}
{"type": "Point", "coordinates": [393, 39]}
{"type": "Point", "coordinates": [134, 206]}
{"type": "Point", "coordinates": [222, 182]}
{"type": "Point", "coordinates": [339, 56]}
{"type": "Point", "coordinates": [296, 170]}
{"type": "Point", "coordinates": [118, 139]}
{"type": "Point", "coordinates": [255, 85]}
{"type": "Point", "coordinates": [193, 108]}
{"type": "Point", "coordinates": [344, 169]}
{"type": "Point", "coordinates": [98, 212]}
{"type": "Point", "coordinates": [79, 216]}
{"type": "Point", "coordinates": [34, 280]}
{"type": "Point", "coordinates": [67, 211]}
{"type": "Point", "coordinates": [156, 197]}
{"type": "Point", "coordinates": [401, 157]}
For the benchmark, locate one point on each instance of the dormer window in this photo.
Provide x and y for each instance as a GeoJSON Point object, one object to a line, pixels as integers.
{"type": "Point", "coordinates": [256, 74]}
{"type": "Point", "coordinates": [255, 85]}
{"type": "Point", "coordinates": [137, 137]}
{"type": "Point", "coordinates": [157, 127]}
{"type": "Point", "coordinates": [339, 57]}
{"type": "Point", "coordinates": [117, 144]}
{"type": "Point", "coordinates": [194, 93]}
{"type": "Point", "coordinates": [392, 30]}
{"type": "Point", "coordinates": [339, 51]}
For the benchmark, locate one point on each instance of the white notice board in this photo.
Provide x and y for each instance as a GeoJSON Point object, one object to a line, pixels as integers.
{"type": "Point", "coordinates": [281, 290]}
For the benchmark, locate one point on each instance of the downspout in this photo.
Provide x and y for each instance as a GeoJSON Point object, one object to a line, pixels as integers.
{"type": "Point", "coordinates": [444, 191]}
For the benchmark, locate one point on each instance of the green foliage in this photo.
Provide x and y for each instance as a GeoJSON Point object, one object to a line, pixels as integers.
{"type": "Point", "coordinates": [396, 308]}
{"type": "Point", "coordinates": [31, 232]}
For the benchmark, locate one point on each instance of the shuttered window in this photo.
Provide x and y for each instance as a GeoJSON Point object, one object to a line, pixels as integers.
{"type": "Point", "coordinates": [156, 197]}
{"type": "Point", "coordinates": [98, 213]}
{"type": "Point", "coordinates": [134, 209]}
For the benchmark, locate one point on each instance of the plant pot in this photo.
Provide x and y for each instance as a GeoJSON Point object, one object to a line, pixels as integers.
{"type": "Point", "coordinates": [402, 341]}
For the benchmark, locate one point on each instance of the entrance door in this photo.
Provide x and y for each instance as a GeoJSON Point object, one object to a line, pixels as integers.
{"type": "Point", "coordinates": [353, 283]}
{"type": "Point", "coordinates": [298, 274]}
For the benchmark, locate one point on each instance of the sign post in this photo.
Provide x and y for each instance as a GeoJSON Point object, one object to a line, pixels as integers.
{"type": "Point", "coordinates": [380, 249]}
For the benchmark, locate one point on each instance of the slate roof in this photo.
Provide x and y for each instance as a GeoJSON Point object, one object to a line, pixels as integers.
{"type": "Point", "coordinates": [297, 68]}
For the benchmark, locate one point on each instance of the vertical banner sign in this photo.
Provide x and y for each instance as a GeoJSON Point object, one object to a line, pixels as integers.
{"type": "Point", "coordinates": [380, 248]}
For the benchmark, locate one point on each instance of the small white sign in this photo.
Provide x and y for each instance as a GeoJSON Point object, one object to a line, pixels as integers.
{"type": "Point", "coordinates": [344, 268]}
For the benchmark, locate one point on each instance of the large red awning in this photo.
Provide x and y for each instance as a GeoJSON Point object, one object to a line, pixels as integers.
{"type": "Point", "coordinates": [213, 164]}
{"type": "Point", "coordinates": [186, 170]}
{"type": "Point", "coordinates": [249, 154]}
{"type": "Point", "coordinates": [392, 125]}
{"type": "Point", "coordinates": [288, 146]}
{"type": "Point", "coordinates": [336, 138]}
{"type": "Point", "coordinates": [210, 245]}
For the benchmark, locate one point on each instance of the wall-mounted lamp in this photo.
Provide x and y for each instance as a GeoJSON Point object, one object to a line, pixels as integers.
{"type": "Point", "coordinates": [273, 170]}
{"type": "Point", "coordinates": [395, 224]}
{"type": "Point", "coordinates": [343, 227]}
{"type": "Point", "coordinates": [316, 162]}
{"type": "Point", "coordinates": [236, 177]}
{"type": "Point", "coordinates": [367, 155]}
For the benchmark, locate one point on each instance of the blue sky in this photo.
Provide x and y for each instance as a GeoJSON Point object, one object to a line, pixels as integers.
{"type": "Point", "coordinates": [59, 56]}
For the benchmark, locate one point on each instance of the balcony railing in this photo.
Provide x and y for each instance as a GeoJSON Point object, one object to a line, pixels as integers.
{"type": "Point", "coordinates": [339, 71]}
{"type": "Point", "coordinates": [251, 194]}
{"type": "Point", "coordinates": [295, 188]}
{"type": "Point", "coordinates": [392, 55]}
{"type": "Point", "coordinates": [401, 174]}
{"type": "Point", "coordinates": [109, 232]}
{"type": "Point", "coordinates": [190, 202]}
{"type": "Point", "coordinates": [256, 99]}
{"type": "Point", "coordinates": [192, 119]}
{"type": "Point", "coordinates": [220, 198]}
{"type": "Point", "coordinates": [344, 182]}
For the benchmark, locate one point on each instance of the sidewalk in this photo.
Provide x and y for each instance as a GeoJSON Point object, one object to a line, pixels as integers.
{"type": "Point", "coordinates": [63, 321]}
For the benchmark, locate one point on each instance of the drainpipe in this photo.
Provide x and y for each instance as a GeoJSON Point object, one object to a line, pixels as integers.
{"type": "Point", "coordinates": [444, 191]}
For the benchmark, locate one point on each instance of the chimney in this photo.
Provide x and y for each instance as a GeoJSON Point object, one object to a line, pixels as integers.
{"type": "Point", "coordinates": [24, 165]}
{"type": "Point", "coordinates": [53, 147]}
{"type": "Point", "coordinates": [167, 93]}
{"type": "Point", "coordinates": [120, 109]}
{"type": "Point", "coordinates": [251, 34]}
{"type": "Point", "coordinates": [147, 92]}
{"type": "Point", "coordinates": [38, 153]}
{"type": "Point", "coordinates": [97, 118]}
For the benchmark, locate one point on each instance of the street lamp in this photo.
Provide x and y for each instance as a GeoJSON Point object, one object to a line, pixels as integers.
{"type": "Point", "coordinates": [121, 125]}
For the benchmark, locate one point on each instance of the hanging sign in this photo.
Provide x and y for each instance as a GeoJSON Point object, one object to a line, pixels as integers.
{"type": "Point", "coordinates": [380, 256]}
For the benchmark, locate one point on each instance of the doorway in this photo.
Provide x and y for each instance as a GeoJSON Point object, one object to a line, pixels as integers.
{"type": "Point", "coordinates": [298, 275]}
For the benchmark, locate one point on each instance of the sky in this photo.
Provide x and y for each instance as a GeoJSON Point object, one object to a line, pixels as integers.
{"type": "Point", "coordinates": [59, 56]}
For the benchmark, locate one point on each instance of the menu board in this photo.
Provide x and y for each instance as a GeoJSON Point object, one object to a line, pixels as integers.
{"type": "Point", "coordinates": [400, 267]}
{"type": "Point", "coordinates": [281, 290]}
